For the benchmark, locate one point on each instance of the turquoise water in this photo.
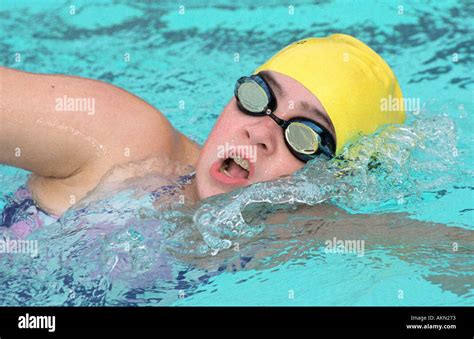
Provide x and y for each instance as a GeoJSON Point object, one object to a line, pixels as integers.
{"type": "Point", "coordinates": [190, 256]}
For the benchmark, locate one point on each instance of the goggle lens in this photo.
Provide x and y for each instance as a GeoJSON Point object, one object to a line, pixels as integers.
{"type": "Point", "coordinates": [302, 138]}
{"type": "Point", "coordinates": [252, 97]}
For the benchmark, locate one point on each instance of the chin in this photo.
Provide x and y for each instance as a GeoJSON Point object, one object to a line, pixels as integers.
{"type": "Point", "coordinates": [205, 189]}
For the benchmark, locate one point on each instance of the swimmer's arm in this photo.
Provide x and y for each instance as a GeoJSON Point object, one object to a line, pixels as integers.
{"type": "Point", "coordinates": [397, 233]}
{"type": "Point", "coordinates": [69, 148]}
{"type": "Point", "coordinates": [38, 135]}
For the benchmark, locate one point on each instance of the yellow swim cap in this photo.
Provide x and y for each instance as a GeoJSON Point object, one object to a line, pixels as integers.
{"type": "Point", "coordinates": [350, 80]}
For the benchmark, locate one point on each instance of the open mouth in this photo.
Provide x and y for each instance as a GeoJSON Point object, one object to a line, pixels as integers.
{"type": "Point", "coordinates": [233, 171]}
{"type": "Point", "coordinates": [235, 167]}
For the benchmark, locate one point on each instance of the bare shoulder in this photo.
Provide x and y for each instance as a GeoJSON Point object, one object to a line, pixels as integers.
{"type": "Point", "coordinates": [72, 130]}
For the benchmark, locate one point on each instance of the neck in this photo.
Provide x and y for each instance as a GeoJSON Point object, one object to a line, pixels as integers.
{"type": "Point", "coordinates": [189, 154]}
{"type": "Point", "coordinates": [191, 192]}
{"type": "Point", "coordinates": [189, 150]}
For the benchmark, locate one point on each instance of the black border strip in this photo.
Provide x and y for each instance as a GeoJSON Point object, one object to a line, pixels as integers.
{"type": "Point", "coordinates": [120, 319]}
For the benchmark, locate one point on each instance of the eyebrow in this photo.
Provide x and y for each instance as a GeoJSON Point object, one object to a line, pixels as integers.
{"type": "Point", "coordinates": [316, 111]}
{"type": "Point", "coordinates": [268, 77]}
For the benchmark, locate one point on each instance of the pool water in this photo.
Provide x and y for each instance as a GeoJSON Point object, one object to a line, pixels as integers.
{"type": "Point", "coordinates": [266, 244]}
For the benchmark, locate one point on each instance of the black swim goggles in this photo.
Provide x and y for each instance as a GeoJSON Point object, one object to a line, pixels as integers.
{"type": "Point", "coordinates": [305, 138]}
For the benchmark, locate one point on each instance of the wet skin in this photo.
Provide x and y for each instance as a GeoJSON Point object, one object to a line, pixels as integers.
{"type": "Point", "coordinates": [69, 152]}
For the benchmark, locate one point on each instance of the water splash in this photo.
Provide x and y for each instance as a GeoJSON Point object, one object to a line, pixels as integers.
{"type": "Point", "coordinates": [383, 170]}
{"type": "Point", "coordinates": [116, 240]}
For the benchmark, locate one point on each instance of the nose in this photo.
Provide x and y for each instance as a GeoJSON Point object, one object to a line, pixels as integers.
{"type": "Point", "coordinates": [264, 134]}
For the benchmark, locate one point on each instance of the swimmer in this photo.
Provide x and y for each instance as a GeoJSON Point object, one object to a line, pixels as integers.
{"type": "Point", "coordinates": [309, 100]}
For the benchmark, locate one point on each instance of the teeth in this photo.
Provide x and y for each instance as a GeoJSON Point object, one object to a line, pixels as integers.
{"type": "Point", "coordinates": [223, 169]}
{"type": "Point", "coordinates": [244, 163]}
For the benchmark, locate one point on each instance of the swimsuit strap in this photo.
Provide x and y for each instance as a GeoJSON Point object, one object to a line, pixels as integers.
{"type": "Point", "coordinates": [172, 189]}
{"type": "Point", "coordinates": [186, 179]}
{"type": "Point", "coordinates": [22, 215]}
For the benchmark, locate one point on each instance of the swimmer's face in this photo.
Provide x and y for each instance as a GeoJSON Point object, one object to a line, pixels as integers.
{"type": "Point", "coordinates": [257, 141]}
